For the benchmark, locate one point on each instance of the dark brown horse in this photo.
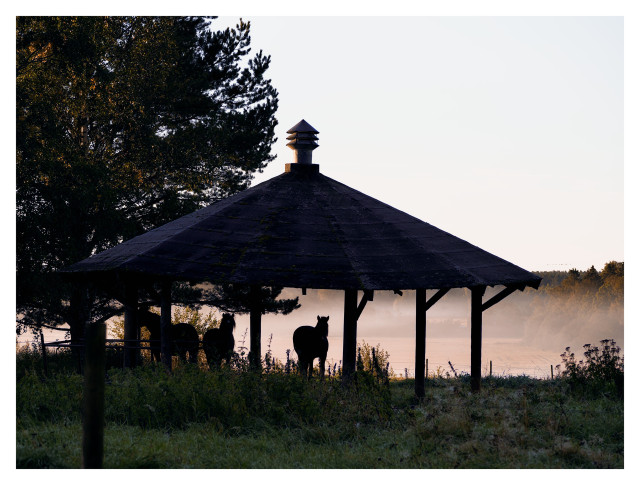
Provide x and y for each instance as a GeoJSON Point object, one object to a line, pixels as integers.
{"type": "Point", "coordinates": [184, 337]}
{"type": "Point", "coordinates": [311, 342]}
{"type": "Point", "coordinates": [218, 343]}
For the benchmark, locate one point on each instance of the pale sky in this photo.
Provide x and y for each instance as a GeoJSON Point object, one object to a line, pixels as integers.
{"type": "Point", "coordinates": [504, 131]}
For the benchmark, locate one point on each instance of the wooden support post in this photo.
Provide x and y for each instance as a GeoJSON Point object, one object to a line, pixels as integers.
{"type": "Point", "coordinates": [349, 339]}
{"type": "Point", "coordinates": [490, 368]}
{"type": "Point", "coordinates": [551, 371]}
{"type": "Point", "coordinates": [255, 328]}
{"type": "Point", "coordinates": [93, 416]}
{"type": "Point", "coordinates": [422, 365]}
{"type": "Point", "coordinates": [166, 345]}
{"type": "Point", "coordinates": [130, 324]}
{"type": "Point", "coordinates": [421, 338]}
{"type": "Point", "coordinates": [79, 309]}
{"type": "Point", "coordinates": [476, 335]}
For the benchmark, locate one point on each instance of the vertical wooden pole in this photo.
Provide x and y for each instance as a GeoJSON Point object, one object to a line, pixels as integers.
{"type": "Point", "coordinates": [166, 345]}
{"type": "Point", "coordinates": [93, 416]}
{"type": "Point", "coordinates": [421, 337]}
{"type": "Point", "coordinates": [79, 309]}
{"type": "Point", "coordinates": [130, 323]}
{"type": "Point", "coordinates": [490, 368]}
{"type": "Point", "coordinates": [551, 371]}
{"type": "Point", "coordinates": [476, 335]}
{"type": "Point", "coordinates": [255, 328]}
{"type": "Point", "coordinates": [349, 339]}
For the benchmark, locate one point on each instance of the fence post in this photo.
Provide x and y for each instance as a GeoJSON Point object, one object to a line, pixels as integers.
{"type": "Point", "coordinates": [551, 371]}
{"type": "Point", "coordinates": [93, 419]}
{"type": "Point", "coordinates": [490, 368]}
{"type": "Point", "coordinates": [44, 354]}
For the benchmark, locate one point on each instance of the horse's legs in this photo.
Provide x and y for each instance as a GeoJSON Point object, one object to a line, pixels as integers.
{"type": "Point", "coordinates": [302, 367]}
{"type": "Point", "coordinates": [322, 368]}
{"type": "Point", "coordinates": [182, 354]}
{"type": "Point", "coordinates": [193, 355]}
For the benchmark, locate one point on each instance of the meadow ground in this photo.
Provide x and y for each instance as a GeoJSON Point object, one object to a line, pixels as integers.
{"type": "Point", "coordinates": [194, 418]}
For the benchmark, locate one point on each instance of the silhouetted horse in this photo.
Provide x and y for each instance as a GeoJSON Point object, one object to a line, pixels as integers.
{"type": "Point", "coordinates": [218, 343]}
{"type": "Point", "coordinates": [184, 337]}
{"type": "Point", "coordinates": [311, 342]}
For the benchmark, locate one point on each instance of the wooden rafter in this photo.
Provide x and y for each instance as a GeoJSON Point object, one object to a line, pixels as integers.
{"type": "Point", "coordinates": [501, 296]}
{"type": "Point", "coordinates": [368, 296]}
{"type": "Point", "coordinates": [434, 299]}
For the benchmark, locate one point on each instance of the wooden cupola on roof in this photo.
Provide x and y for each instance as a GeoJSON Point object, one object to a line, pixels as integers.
{"type": "Point", "coordinates": [303, 229]}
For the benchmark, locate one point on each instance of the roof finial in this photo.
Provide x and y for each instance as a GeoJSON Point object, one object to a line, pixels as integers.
{"type": "Point", "coordinates": [303, 142]}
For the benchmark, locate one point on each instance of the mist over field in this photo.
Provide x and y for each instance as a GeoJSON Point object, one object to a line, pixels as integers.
{"type": "Point", "coordinates": [524, 333]}
{"type": "Point", "coordinates": [545, 320]}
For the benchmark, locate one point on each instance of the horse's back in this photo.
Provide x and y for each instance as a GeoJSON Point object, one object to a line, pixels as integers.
{"type": "Point", "coordinates": [309, 341]}
{"type": "Point", "coordinates": [302, 334]}
{"type": "Point", "coordinates": [215, 340]}
{"type": "Point", "coordinates": [184, 331]}
{"type": "Point", "coordinates": [210, 335]}
{"type": "Point", "coordinates": [185, 338]}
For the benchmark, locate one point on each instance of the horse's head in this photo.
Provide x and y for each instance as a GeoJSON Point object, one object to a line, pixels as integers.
{"type": "Point", "coordinates": [228, 323]}
{"type": "Point", "coordinates": [323, 325]}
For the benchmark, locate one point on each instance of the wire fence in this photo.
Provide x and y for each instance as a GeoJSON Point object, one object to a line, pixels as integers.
{"type": "Point", "coordinates": [401, 368]}
{"type": "Point", "coordinates": [435, 369]}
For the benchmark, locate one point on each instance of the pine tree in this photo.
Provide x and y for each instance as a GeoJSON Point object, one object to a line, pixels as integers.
{"type": "Point", "coordinates": [123, 124]}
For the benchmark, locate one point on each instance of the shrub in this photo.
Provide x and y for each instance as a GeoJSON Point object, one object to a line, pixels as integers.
{"type": "Point", "coordinates": [601, 370]}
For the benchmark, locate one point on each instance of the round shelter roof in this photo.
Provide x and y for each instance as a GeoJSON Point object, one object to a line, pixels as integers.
{"type": "Point", "coordinates": [303, 229]}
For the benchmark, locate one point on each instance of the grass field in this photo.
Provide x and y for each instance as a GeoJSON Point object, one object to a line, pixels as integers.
{"type": "Point", "coordinates": [231, 419]}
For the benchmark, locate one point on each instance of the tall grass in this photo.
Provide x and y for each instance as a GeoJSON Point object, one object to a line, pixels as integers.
{"type": "Point", "coordinates": [276, 419]}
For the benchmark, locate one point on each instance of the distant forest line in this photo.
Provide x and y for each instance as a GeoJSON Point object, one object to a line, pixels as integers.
{"type": "Point", "coordinates": [573, 307]}
{"type": "Point", "coordinates": [570, 308]}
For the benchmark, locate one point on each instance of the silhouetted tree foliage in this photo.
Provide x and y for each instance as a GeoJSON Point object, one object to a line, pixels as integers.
{"type": "Point", "coordinates": [591, 286]}
{"type": "Point", "coordinates": [236, 299]}
{"type": "Point", "coordinates": [123, 124]}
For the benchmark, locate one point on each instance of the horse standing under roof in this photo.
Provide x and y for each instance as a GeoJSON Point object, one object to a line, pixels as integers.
{"type": "Point", "coordinates": [218, 343]}
{"type": "Point", "coordinates": [184, 337]}
{"type": "Point", "coordinates": [311, 343]}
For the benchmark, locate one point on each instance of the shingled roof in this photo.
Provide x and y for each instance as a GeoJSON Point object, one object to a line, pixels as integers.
{"type": "Point", "coordinates": [303, 229]}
